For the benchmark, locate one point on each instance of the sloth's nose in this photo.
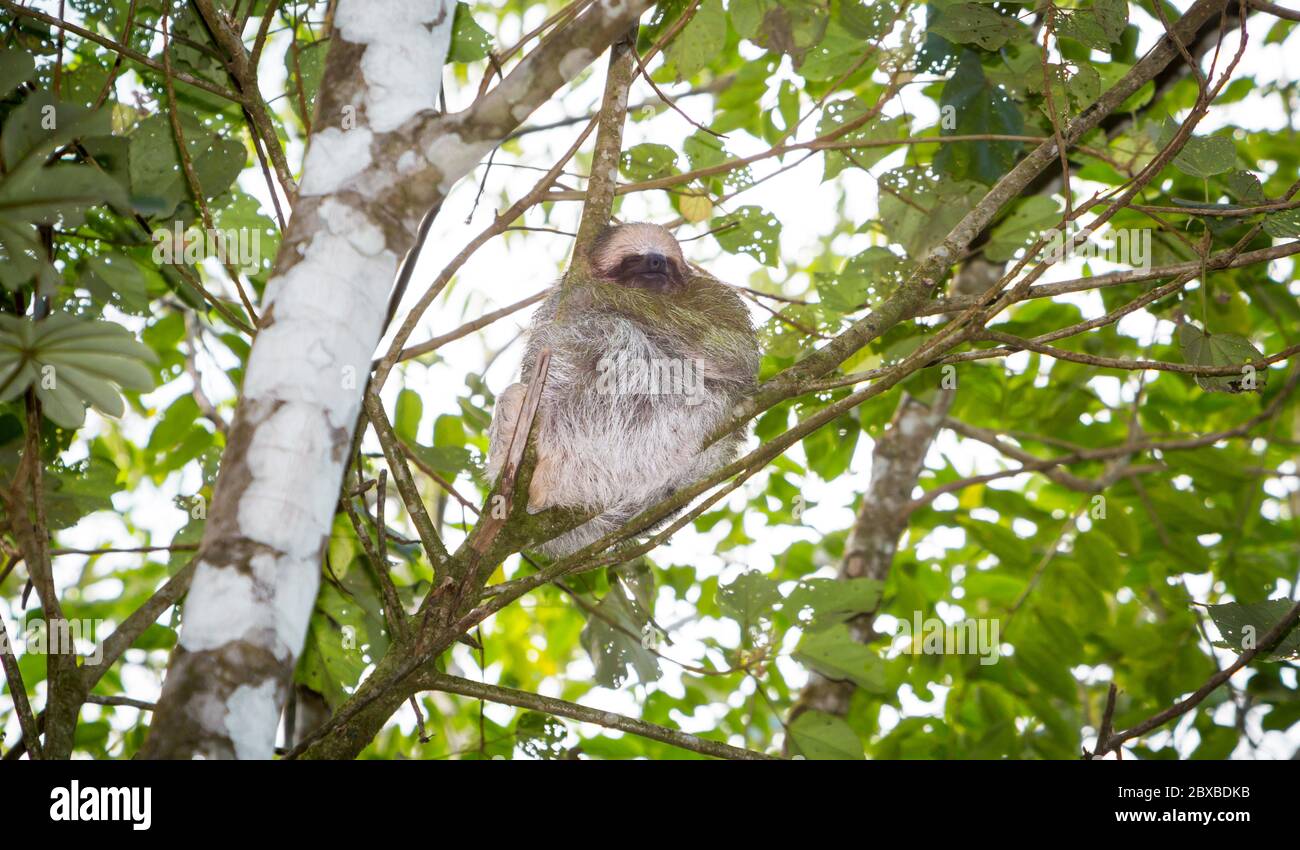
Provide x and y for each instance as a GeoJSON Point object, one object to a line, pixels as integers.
{"type": "Point", "coordinates": [656, 262]}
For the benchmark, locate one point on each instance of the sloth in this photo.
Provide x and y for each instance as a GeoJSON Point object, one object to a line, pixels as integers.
{"type": "Point", "coordinates": [649, 356]}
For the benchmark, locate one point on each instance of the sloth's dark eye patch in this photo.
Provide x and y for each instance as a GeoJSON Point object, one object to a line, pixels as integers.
{"type": "Point", "coordinates": [651, 270]}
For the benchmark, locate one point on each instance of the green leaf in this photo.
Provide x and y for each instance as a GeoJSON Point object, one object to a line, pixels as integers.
{"type": "Point", "coordinates": [867, 278]}
{"type": "Point", "coordinates": [648, 161]}
{"type": "Point", "coordinates": [1029, 219]}
{"type": "Point", "coordinates": [22, 257]}
{"type": "Point", "coordinates": [972, 23]}
{"type": "Point", "coordinates": [406, 418]}
{"type": "Point", "coordinates": [1284, 224]}
{"type": "Point", "coordinates": [72, 491]}
{"type": "Point", "coordinates": [1244, 187]}
{"type": "Point", "coordinates": [73, 363]}
{"type": "Point", "coordinates": [59, 192]}
{"type": "Point", "coordinates": [344, 636]}
{"type": "Point", "coordinates": [1243, 626]}
{"type": "Point", "coordinates": [41, 124]}
{"type": "Point", "coordinates": [845, 112]}
{"type": "Point", "coordinates": [825, 737]}
{"type": "Point", "coordinates": [1202, 156]}
{"type": "Point", "coordinates": [613, 637]}
{"type": "Point", "coordinates": [789, 26]}
{"type": "Point", "coordinates": [749, 599]}
{"type": "Point", "coordinates": [1098, 27]}
{"type": "Point", "coordinates": [16, 67]}
{"type": "Point", "coordinates": [1111, 16]}
{"type": "Point", "coordinates": [1202, 349]}
{"type": "Point", "coordinates": [822, 602]}
{"type": "Point", "coordinates": [838, 53]}
{"type": "Point", "coordinates": [865, 19]}
{"type": "Point", "coordinates": [700, 41]}
{"type": "Point", "coordinates": [979, 107]}
{"type": "Point", "coordinates": [704, 150]}
{"type": "Point", "coordinates": [1084, 86]}
{"type": "Point", "coordinates": [304, 65]}
{"type": "Point", "coordinates": [750, 230]}
{"type": "Point", "coordinates": [835, 654]}
{"type": "Point", "coordinates": [539, 735]}
{"type": "Point", "coordinates": [918, 208]}
{"type": "Point", "coordinates": [157, 179]}
{"type": "Point", "coordinates": [469, 41]}
{"type": "Point", "coordinates": [115, 279]}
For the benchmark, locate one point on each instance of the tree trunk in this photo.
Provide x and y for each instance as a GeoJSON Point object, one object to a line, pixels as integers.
{"type": "Point", "coordinates": [379, 158]}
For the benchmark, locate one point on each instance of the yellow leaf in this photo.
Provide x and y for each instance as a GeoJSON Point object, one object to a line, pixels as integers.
{"type": "Point", "coordinates": [695, 208]}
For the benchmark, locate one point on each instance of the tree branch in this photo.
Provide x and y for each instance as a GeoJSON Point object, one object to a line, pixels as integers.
{"type": "Point", "coordinates": [435, 681]}
{"type": "Point", "coordinates": [1270, 640]}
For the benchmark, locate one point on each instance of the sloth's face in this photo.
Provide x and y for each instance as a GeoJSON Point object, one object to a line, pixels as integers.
{"type": "Point", "coordinates": [645, 256]}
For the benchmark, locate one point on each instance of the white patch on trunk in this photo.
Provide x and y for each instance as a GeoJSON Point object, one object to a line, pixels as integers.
{"type": "Point", "coordinates": [409, 161]}
{"type": "Point", "coordinates": [295, 593]}
{"type": "Point", "coordinates": [454, 158]}
{"type": "Point", "coordinates": [333, 158]}
{"type": "Point", "coordinates": [329, 309]}
{"type": "Point", "coordinates": [401, 56]}
{"type": "Point", "coordinates": [223, 605]}
{"type": "Point", "coordinates": [251, 713]}
{"type": "Point", "coordinates": [289, 501]}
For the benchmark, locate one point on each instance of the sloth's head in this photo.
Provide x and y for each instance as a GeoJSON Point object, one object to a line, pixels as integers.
{"type": "Point", "coordinates": [645, 256]}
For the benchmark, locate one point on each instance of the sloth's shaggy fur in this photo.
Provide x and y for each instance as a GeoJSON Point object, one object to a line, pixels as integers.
{"type": "Point", "coordinates": [612, 434]}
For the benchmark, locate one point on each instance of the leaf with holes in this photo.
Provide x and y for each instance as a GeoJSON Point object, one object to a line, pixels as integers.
{"type": "Point", "coordinates": [648, 161]}
{"type": "Point", "coordinates": [824, 602]}
{"type": "Point", "coordinates": [469, 41]}
{"type": "Point", "coordinates": [1243, 626]}
{"type": "Point", "coordinates": [844, 113]}
{"type": "Point", "coordinates": [972, 23]}
{"type": "Point", "coordinates": [613, 639]}
{"type": "Point", "coordinates": [749, 599]}
{"type": "Point", "coordinates": [700, 41]}
{"type": "Point", "coordinates": [1202, 156]}
{"type": "Point", "coordinates": [750, 230]}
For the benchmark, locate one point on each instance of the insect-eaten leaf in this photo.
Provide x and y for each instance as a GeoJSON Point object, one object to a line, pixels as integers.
{"type": "Point", "coordinates": [1244, 626]}
{"type": "Point", "coordinates": [749, 599]}
{"type": "Point", "coordinates": [618, 631]}
{"type": "Point", "coordinates": [469, 41]}
{"type": "Point", "coordinates": [972, 23]}
{"type": "Point", "coordinates": [700, 42]}
{"type": "Point", "coordinates": [1202, 156]}
{"type": "Point", "coordinates": [1204, 349]}
{"type": "Point", "coordinates": [750, 230]}
{"type": "Point", "coordinates": [823, 602]}
{"type": "Point", "coordinates": [540, 735]}
{"type": "Point", "coordinates": [648, 161]}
